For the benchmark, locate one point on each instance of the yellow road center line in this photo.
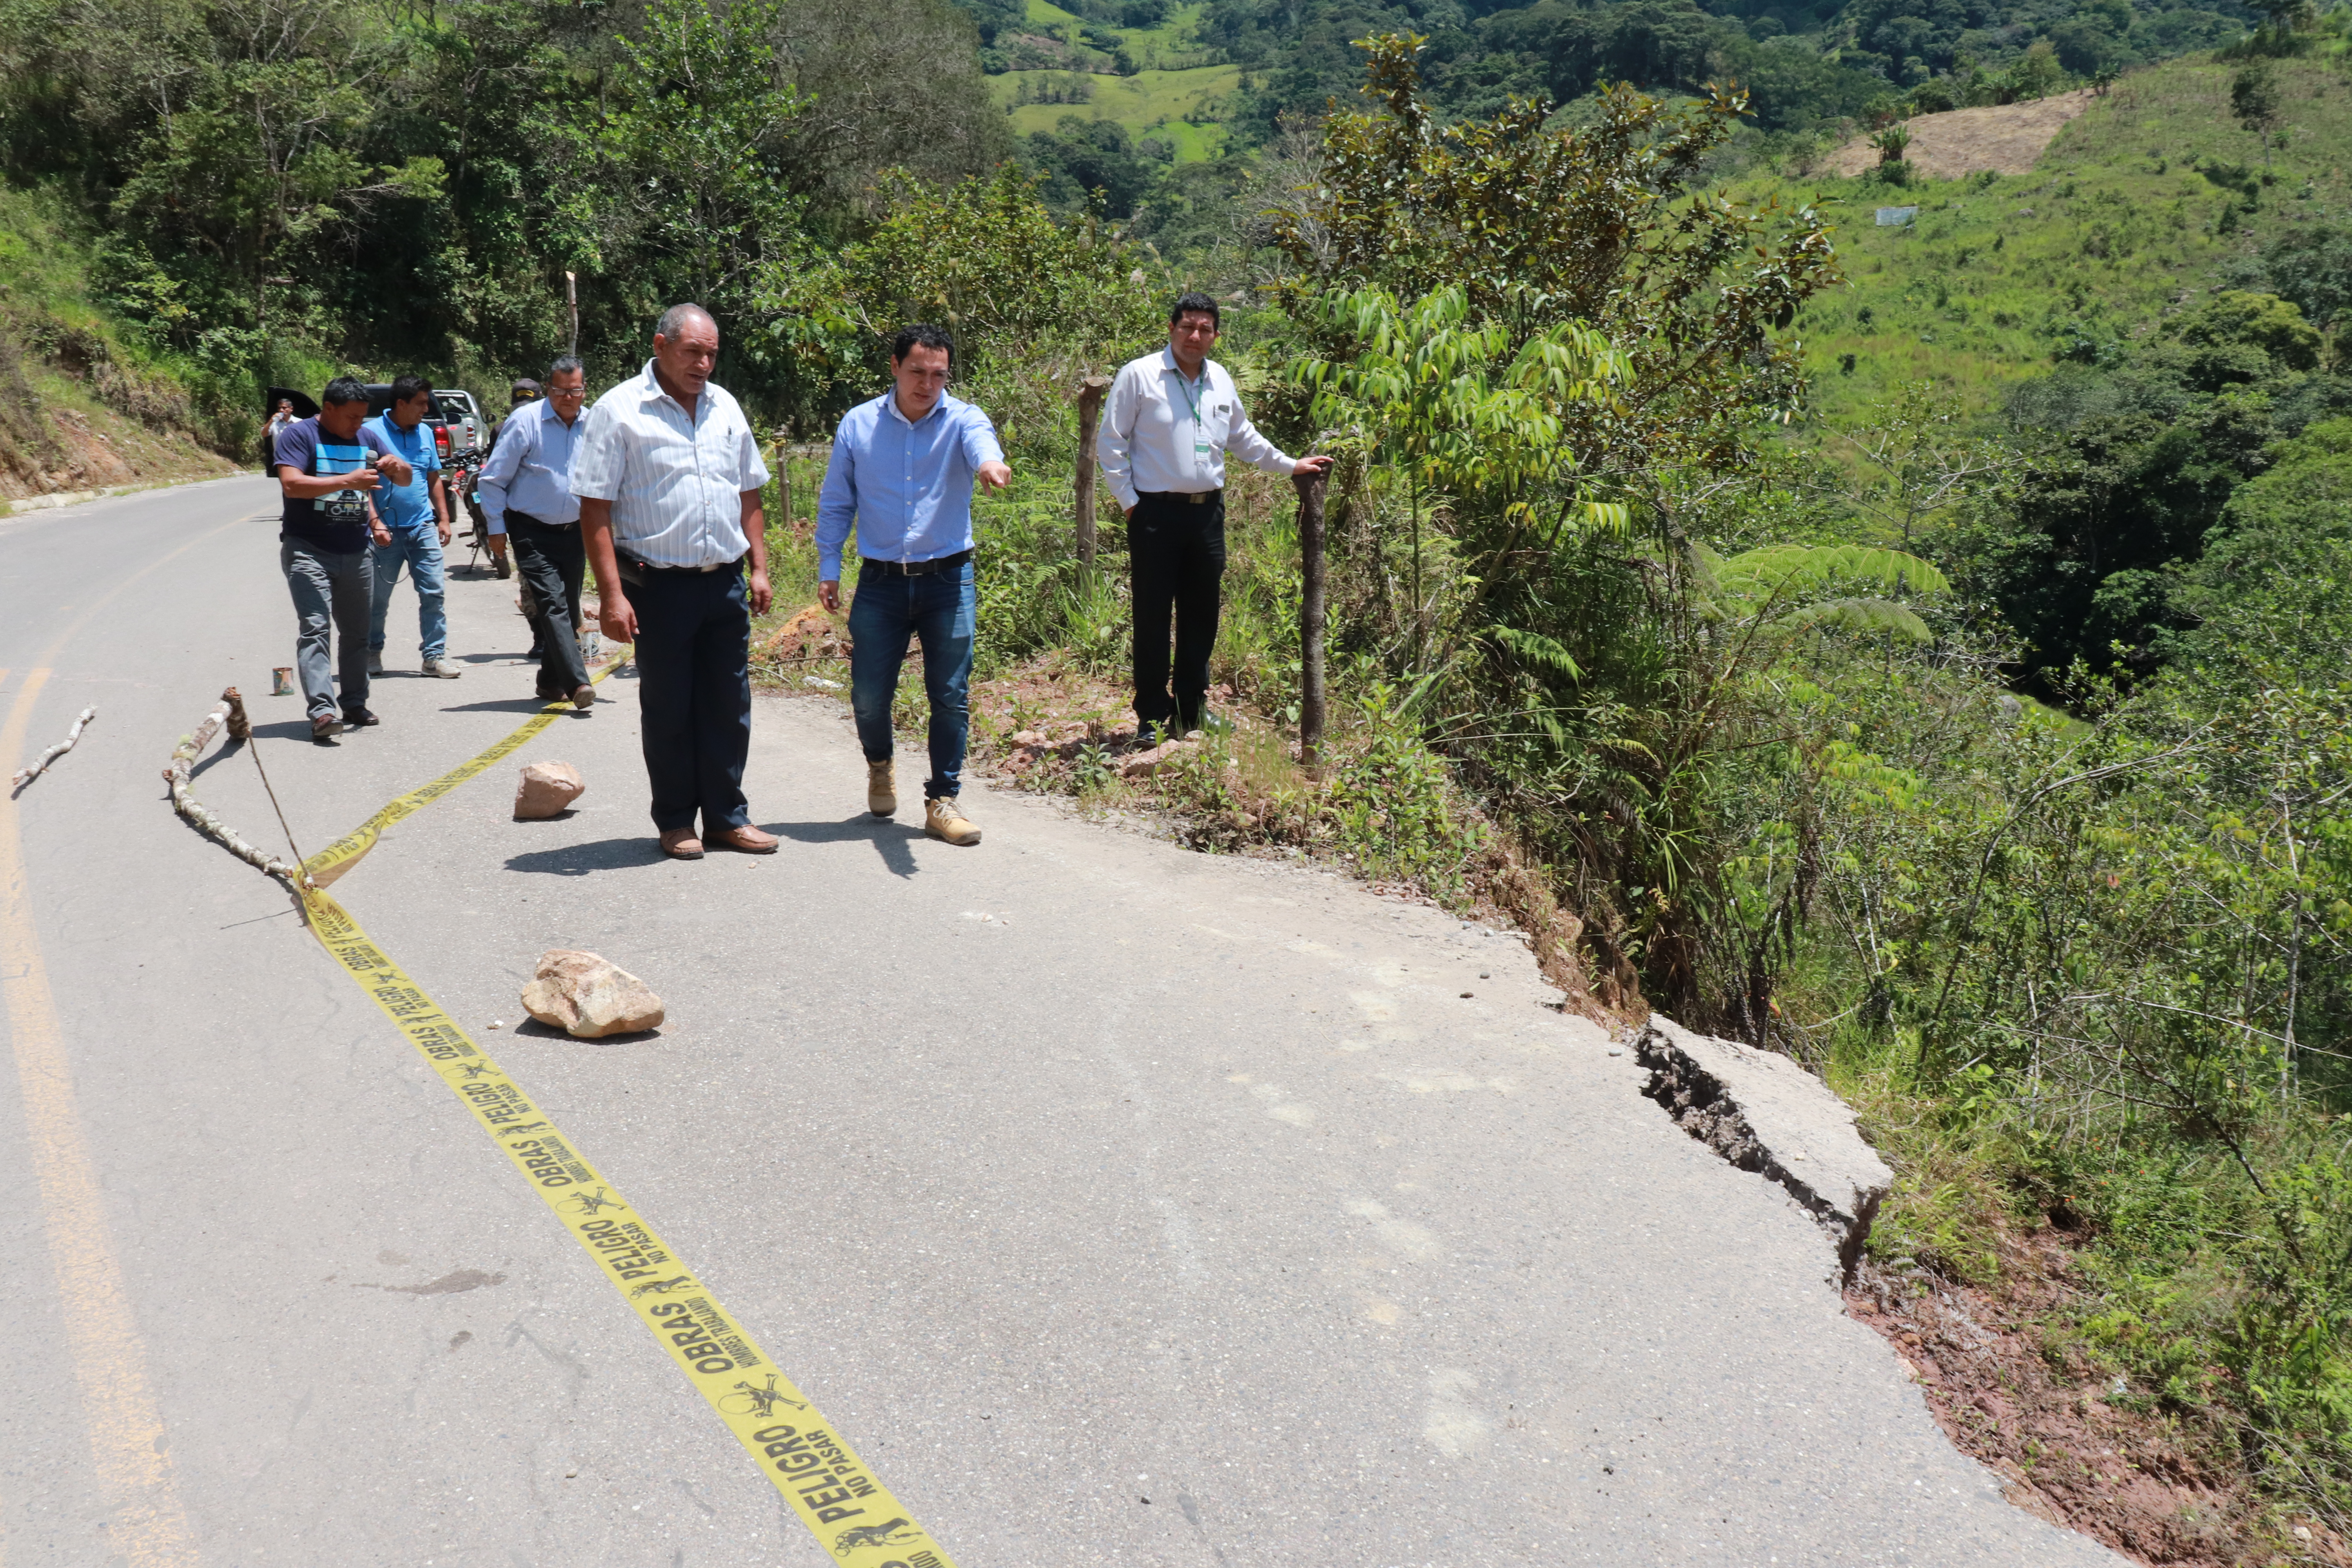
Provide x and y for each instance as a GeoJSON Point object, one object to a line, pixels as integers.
{"type": "Point", "coordinates": [339, 856]}
{"type": "Point", "coordinates": [828, 1488]}
{"type": "Point", "coordinates": [145, 1522]}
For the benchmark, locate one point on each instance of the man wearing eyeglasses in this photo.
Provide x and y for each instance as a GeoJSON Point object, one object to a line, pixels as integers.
{"type": "Point", "coordinates": [526, 490]}
{"type": "Point", "coordinates": [1170, 420]}
{"type": "Point", "coordinates": [901, 471]}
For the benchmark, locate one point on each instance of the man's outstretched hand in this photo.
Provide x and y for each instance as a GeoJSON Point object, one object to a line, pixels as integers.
{"type": "Point", "coordinates": [994, 476]}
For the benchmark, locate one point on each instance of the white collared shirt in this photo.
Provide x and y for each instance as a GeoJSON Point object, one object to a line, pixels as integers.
{"type": "Point", "coordinates": [676, 481]}
{"type": "Point", "coordinates": [1161, 432]}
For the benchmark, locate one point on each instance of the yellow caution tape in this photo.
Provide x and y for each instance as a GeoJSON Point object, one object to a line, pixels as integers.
{"type": "Point", "coordinates": [852, 1514]}
{"type": "Point", "coordinates": [344, 853]}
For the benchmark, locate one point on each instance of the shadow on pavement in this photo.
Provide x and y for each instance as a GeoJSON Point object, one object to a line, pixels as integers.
{"type": "Point", "coordinates": [584, 859]}
{"type": "Point", "coordinates": [507, 705]}
{"type": "Point", "coordinates": [286, 730]}
{"type": "Point", "coordinates": [231, 747]}
{"type": "Point", "coordinates": [532, 1028]}
{"type": "Point", "coordinates": [893, 842]}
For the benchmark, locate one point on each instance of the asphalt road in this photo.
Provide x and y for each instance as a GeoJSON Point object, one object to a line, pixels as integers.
{"type": "Point", "coordinates": [1123, 1205]}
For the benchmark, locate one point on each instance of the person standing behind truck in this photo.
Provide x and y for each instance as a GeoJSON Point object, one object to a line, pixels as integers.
{"type": "Point", "coordinates": [417, 513]}
{"type": "Point", "coordinates": [328, 466]}
{"type": "Point", "coordinates": [526, 488]}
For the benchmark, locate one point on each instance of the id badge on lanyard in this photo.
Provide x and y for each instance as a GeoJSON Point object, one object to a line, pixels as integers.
{"type": "Point", "coordinates": [1200, 431]}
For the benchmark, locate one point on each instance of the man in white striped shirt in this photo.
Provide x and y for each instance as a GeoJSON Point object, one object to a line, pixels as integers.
{"type": "Point", "coordinates": [669, 476]}
{"type": "Point", "coordinates": [1169, 421]}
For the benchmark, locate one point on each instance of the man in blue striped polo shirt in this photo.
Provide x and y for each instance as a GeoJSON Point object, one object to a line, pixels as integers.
{"type": "Point", "coordinates": [901, 472]}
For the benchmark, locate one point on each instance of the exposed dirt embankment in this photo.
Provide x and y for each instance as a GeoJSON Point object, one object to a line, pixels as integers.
{"type": "Point", "coordinates": [2078, 1446]}
{"type": "Point", "coordinates": [82, 421]}
{"type": "Point", "coordinates": [2008, 139]}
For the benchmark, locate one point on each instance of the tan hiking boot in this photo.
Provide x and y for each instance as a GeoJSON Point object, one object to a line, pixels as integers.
{"type": "Point", "coordinates": [941, 819]}
{"type": "Point", "coordinates": [881, 789]}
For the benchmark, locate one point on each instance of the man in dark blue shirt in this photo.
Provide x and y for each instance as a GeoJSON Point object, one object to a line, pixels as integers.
{"type": "Point", "coordinates": [327, 469]}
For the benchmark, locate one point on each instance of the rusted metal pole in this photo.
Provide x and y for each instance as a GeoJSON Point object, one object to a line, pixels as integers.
{"type": "Point", "coordinates": [1090, 401]}
{"type": "Point", "coordinates": [1311, 615]}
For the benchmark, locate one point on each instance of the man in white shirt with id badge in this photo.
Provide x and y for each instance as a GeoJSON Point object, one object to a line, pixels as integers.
{"type": "Point", "coordinates": [1170, 420]}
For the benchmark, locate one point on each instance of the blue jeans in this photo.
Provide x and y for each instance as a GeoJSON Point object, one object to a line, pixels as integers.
{"type": "Point", "coordinates": [940, 609]}
{"type": "Point", "coordinates": [330, 591]}
{"type": "Point", "coordinates": [420, 548]}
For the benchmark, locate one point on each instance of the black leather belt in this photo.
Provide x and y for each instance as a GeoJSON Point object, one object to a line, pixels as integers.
{"type": "Point", "coordinates": [632, 563]}
{"type": "Point", "coordinates": [1190, 498]}
{"type": "Point", "coordinates": [913, 568]}
{"type": "Point", "coordinates": [514, 517]}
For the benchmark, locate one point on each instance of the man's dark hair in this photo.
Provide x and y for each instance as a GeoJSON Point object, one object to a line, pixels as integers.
{"type": "Point", "coordinates": [564, 364]}
{"type": "Point", "coordinates": [344, 389]}
{"type": "Point", "coordinates": [921, 335]}
{"type": "Point", "coordinates": [1192, 304]}
{"type": "Point", "coordinates": [408, 386]}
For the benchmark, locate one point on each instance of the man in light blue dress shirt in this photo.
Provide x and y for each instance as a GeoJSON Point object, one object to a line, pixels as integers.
{"type": "Point", "coordinates": [527, 496]}
{"type": "Point", "coordinates": [901, 472]}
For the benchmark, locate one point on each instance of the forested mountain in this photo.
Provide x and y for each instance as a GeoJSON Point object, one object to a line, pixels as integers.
{"type": "Point", "coordinates": [1805, 67]}
{"type": "Point", "coordinates": [1803, 63]}
{"type": "Point", "coordinates": [411, 185]}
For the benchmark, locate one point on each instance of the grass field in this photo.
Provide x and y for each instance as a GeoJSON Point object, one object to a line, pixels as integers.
{"type": "Point", "coordinates": [1148, 103]}
{"type": "Point", "coordinates": [2112, 229]}
{"type": "Point", "coordinates": [1151, 47]}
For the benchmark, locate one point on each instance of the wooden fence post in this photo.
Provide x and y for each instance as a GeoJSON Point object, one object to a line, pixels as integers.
{"type": "Point", "coordinates": [1311, 615]}
{"type": "Point", "coordinates": [784, 476]}
{"type": "Point", "coordinates": [1090, 401]}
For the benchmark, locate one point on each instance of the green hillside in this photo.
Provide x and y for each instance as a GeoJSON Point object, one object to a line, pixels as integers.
{"type": "Point", "coordinates": [1173, 91]}
{"type": "Point", "coordinates": [1151, 103]}
{"type": "Point", "coordinates": [2120, 223]}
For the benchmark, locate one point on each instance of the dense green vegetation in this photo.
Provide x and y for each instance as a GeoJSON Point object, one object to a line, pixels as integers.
{"type": "Point", "coordinates": [2134, 323]}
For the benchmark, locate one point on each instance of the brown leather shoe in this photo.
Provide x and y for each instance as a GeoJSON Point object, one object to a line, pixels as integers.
{"type": "Point", "coordinates": [583, 697]}
{"type": "Point", "coordinates": [750, 841]}
{"type": "Point", "coordinates": [680, 843]}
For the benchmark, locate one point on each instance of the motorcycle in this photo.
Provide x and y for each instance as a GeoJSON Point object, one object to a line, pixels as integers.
{"type": "Point", "coordinates": [464, 478]}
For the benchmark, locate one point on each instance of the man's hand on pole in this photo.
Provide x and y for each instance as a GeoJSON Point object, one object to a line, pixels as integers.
{"type": "Point", "coordinates": [1311, 465]}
